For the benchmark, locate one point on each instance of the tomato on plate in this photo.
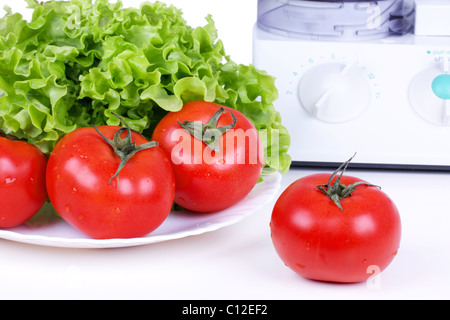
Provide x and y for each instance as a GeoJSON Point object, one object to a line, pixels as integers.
{"type": "Point", "coordinates": [22, 181]}
{"type": "Point", "coordinates": [335, 228]}
{"type": "Point", "coordinates": [110, 183]}
{"type": "Point", "coordinates": [216, 153]}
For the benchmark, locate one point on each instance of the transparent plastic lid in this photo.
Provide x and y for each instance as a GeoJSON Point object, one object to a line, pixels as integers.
{"type": "Point", "coordinates": [336, 20]}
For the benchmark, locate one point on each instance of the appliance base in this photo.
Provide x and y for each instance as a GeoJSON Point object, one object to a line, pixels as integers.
{"type": "Point", "coordinates": [371, 166]}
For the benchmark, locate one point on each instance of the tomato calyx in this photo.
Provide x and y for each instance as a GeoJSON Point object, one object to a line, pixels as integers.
{"type": "Point", "coordinates": [124, 148]}
{"type": "Point", "coordinates": [209, 133]}
{"type": "Point", "coordinates": [337, 190]}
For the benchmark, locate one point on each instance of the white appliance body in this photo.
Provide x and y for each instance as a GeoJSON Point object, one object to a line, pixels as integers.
{"type": "Point", "coordinates": [387, 100]}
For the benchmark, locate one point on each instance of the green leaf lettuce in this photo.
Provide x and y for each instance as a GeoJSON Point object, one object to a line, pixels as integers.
{"type": "Point", "coordinates": [76, 62]}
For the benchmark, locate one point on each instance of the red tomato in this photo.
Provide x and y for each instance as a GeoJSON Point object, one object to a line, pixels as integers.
{"type": "Point", "coordinates": [22, 181]}
{"type": "Point", "coordinates": [209, 179]}
{"type": "Point", "coordinates": [319, 241]}
{"type": "Point", "coordinates": [81, 190]}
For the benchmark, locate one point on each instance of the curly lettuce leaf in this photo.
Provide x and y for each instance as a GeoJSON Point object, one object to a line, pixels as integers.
{"type": "Point", "coordinates": [77, 62]}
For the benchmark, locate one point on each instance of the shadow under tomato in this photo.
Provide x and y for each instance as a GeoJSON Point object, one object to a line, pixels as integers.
{"type": "Point", "coordinates": [44, 217]}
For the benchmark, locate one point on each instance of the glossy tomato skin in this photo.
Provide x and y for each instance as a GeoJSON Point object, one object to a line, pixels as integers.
{"type": "Point", "coordinates": [22, 181]}
{"type": "Point", "coordinates": [208, 181]}
{"type": "Point", "coordinates": [78, 172]}
{"type": "Point", "coordinates": [319, 241]}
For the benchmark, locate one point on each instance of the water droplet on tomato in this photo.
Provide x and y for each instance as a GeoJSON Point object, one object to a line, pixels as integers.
{"type": "Point", "coordinates": [308, 247]}
{"type": "Point", "coordinates": [67, 208]}
{"type": "Point", "coordinates": [117, 210]}
{"type": "Point", "coordinates": [9, 180]}
{"type": "Point", "coordinates": [364, 261]}
{"type": "Point", "coordinates": [300, 266]}
{"type": "Point", "coordinates": [74, 189]}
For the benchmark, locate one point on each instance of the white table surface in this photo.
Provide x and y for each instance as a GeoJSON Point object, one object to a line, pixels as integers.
{"type": "Point", "coordinates": [239, 262]}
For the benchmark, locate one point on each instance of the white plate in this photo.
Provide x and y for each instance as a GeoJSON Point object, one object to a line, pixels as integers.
{"type": "Point", "coordinates": [48, 230]}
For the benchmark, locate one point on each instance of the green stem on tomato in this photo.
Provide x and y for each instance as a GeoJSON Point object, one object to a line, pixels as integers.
{"type": "Point", "coordinates": [337, 190]}
{"type": "Point", "coordinates": [209, 133]}
{"type": "Point", "coordinates": [124, 148]}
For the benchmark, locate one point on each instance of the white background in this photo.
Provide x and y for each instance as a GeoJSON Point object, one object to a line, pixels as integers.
{"type": "Point", "coordinates": [239, 262]}
{"type": "Point", "coordinates": [234, 20]}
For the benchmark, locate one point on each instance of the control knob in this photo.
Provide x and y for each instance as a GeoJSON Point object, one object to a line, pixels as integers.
{"type": "Point", "coordinates": [335, 92]}
{"type": "Point", "coordinates": [429, 93]}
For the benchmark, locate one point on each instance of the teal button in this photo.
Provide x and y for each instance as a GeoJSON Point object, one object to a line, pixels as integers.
{"type": "Point", "coordinates": [441, 86]}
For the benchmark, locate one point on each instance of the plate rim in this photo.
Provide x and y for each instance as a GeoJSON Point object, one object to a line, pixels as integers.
{"type": "Point", "coordinates": [86, 243]}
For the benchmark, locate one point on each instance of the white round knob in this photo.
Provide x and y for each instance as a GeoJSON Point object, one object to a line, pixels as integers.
{"type": "Point", "coordinates": [334, 92]}
{"type": "Point", "coordinates": [429, 95]}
